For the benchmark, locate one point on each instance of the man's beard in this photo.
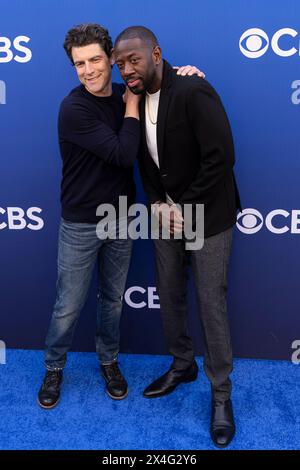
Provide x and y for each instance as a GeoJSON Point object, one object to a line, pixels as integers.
{"type": "Point", "coordinates": [145, 85]}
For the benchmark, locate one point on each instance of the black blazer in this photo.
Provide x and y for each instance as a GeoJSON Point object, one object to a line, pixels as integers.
{"type": "Point", "coordinates": [195, 151]}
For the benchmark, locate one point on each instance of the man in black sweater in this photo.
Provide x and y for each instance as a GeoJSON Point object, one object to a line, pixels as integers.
{"type": "Point", "coordinates": [99, 138]}
{"type": "Point", "coordinates": [187, 158]}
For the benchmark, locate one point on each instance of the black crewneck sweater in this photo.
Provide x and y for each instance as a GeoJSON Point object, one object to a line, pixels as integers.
{"type": "Point", "coordinates": [98, 149]}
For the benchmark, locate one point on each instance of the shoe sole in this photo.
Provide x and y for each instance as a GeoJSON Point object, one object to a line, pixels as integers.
{"type": "Point", "coordinates": [48, 407]}
{"type": "Point", "coordinates": [188, 380]}
{"type": "Point", "coordinates": [117, 398]}
{"type": "Point", "coordinates": [219, 446]}
{"type": "Point", "coordinates": [223, 446]}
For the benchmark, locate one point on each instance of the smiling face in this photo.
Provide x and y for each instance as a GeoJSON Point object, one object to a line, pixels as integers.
{"type": "Point", "coordinates": [93, 68]}
{"type": "Point", "coordinates": [138, 64]}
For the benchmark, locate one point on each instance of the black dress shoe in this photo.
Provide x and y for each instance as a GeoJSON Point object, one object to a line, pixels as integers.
{"type": "Point", "coordinates": [169, 381]}
{"type": "Point", "coordinates": [116, 385]}
{"type": "Point", "coordinates": [222, 423]}
{"type": "Point", "coordinates": [49, 393]}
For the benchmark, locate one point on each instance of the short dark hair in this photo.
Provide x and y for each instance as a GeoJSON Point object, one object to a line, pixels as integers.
{"type": "Point", "coordinates": [141, 32]}
{"type": "Point", "coordinates": [85, 34]}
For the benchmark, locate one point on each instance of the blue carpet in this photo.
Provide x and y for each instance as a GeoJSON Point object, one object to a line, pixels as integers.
{"type": "Point", "coordinates": [265, 395]}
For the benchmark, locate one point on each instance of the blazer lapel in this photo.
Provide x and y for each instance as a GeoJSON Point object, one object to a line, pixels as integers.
{"type": "Point", "coordinates": [164, 101]}
{"type": "Point", "coordinates": [143, 122]}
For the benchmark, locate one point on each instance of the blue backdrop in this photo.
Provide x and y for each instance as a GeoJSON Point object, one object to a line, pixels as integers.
{"type": "Point", "coordinates": [256, 74]}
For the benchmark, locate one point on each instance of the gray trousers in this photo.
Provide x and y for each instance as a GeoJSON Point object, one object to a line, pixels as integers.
{"type": "Point", "coordinates": [209, 266]}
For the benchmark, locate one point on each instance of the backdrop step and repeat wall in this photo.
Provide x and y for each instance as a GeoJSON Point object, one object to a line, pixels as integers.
{"type": "Point", "coordinates": [249, 51]}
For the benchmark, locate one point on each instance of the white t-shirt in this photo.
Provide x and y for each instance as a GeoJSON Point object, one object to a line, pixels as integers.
{"type": "Point", "coordinates": [151, 112]}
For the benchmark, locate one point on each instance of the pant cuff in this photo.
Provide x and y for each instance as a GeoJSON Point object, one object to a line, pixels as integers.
{"type": "Point", "coordinates": [53, 369]}
{"type": "Point", "coordinates": [107, 363]}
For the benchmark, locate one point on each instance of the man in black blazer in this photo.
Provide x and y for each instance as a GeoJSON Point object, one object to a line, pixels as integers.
{"type": "Point", "coordinates": [187, 157]}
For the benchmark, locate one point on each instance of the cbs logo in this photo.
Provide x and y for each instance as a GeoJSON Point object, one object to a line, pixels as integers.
{"type": "Point", "coordinates": [7, 54]}
{"type": "Point", "coordinates": [138, 297]}
{"type": "Point", "coordinates": [278, 221]}
{"type": "Point", "coordinates": [255, 42]}
{"type": "Point", "coordinates": [15, 218]}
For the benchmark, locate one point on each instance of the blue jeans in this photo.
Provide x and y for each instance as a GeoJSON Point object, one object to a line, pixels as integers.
{"type": "Point", "coordinates": [79, 249]}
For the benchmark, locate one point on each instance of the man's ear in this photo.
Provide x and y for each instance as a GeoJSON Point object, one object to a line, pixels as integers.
{"type": "Point", "coordinates": [156, 54]}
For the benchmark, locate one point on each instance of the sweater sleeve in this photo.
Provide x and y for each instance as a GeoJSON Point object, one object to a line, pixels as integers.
{"type": "Point", "coordinates": [78, 124]}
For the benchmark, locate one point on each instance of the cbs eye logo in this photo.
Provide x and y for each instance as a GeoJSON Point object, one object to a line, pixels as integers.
{"type": "Point", "coordinates": [249, 221]}
{"type": "Point", "coordinates": [278, 221]}
{"type": "Point", "coordinates": [255, 42]}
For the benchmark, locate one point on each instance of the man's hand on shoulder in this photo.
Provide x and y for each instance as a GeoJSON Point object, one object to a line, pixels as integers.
{"type": "Point", "coordinates": [189, 70]}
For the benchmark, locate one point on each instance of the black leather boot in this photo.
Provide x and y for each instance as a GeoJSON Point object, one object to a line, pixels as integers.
{"type": "Point", "coordinates": [116, 385]}
{"type": "Point", "coordinates": [49, 393]}
{"type": "Point", "coordinates": [222, 423]}
{"type": "Point", "coordinates": [169, 381]}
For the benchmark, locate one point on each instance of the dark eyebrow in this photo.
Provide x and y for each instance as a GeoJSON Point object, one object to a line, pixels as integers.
{"type": "Point", "coordinates": [133, 53]}
{"type": "Point", "coordinates": [130, 55]}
